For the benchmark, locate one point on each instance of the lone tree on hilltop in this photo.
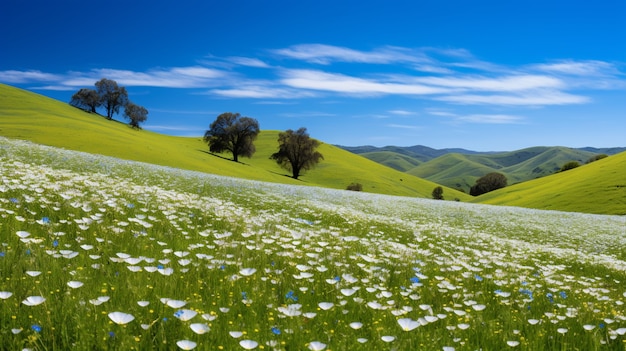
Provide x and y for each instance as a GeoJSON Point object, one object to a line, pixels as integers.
{"type": "Point", "coordinates": [438, 193]}
{"type": "Point", "coordinates": [296, 151]}
{"type": "Point", "coordinates": [487, 183]}
{"type": "Point", "coordinates": [112, 96]}
{"type": "Point", "coordinates": [136, 114]}
{"type": "Point", "coordinates": [87, 99]}
{"type": "Point", "coordinates": [233, 133]}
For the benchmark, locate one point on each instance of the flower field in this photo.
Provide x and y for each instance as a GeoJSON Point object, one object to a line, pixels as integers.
{"type": "Point", "coordinates": [99, 253]}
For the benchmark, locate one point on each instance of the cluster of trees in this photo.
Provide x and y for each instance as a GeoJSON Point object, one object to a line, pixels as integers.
{"type": "Point", "coordinates": [231, 132]}
{"type": "Point", "coordinates": [112, 97]}
{"type": "Point", "coordinates": [487, 183]}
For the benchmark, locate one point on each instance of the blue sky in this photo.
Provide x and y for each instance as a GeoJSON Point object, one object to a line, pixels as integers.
{"type": "Point", "coordinates": [482, 75]}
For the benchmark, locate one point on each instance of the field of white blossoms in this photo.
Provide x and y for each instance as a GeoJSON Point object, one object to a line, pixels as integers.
{"type": "Point", "coordinates": [98, 253]}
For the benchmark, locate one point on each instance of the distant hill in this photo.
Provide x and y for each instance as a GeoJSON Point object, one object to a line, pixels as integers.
{"type": "Point", "coordinates": [29, 116]}
{"type": "Point", "coordinates": [459, 168]}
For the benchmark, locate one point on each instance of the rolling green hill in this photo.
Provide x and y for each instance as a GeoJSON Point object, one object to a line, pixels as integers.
{"type": "Point", "coordinates": [598, 187]}
{"type": "Point", "coordinates": [461, 171]}
{"type": "Point", "coordinates": [29, 116]}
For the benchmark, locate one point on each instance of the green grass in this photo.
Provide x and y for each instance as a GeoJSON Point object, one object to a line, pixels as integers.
{"type": "Point", "coordinates": [29, 116]}
{"type": "Point", "coordinates": [598, 187]}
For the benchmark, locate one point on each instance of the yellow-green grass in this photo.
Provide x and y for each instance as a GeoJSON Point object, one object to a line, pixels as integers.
{"type": "Point", "coordinates": [598, 187]}
{"type": "Point", "coordinates": [29, 116]}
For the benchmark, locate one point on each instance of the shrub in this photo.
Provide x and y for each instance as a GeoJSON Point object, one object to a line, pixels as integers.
{"type": "Point", "coordinates": [355, 187]}
{"type": "Point", "coordinates": [570, 165]}
{"type": "Point", "coordinates": [597, 157]}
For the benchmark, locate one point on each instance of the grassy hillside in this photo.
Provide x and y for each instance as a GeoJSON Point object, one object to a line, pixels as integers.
{"type": "Point", "coordinates": [599, 187]}
{"type": "Point", "coordinates": [29, 116]}
{"type": "Point", "coordinates": [391, 159]}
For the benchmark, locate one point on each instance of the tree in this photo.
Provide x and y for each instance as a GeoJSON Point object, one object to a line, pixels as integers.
{"type": "Point", "coordinates": [112, 96]}
{"type": "Point", "coordinates": [86, 99]}
{"type": "Point", "coordinates": [296, 151]}
{"type": "Point", "coordinates": [136, 114]}
{"type": "Point", "coordinates": [233, 133]}
{"type": "Point", "coordinates": [438, 193]}
{"type": "Point", "coordinates": [487, 183]}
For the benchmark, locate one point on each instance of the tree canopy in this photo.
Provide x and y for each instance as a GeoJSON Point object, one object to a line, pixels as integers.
{"type": "Point", "coordinates": [296, 151]}
{"type": "Point", "coordinates": [136, 114]}
{"type": "Point", "coordinates": [437, 193]}
{"type": "Point", "coordinates": [87, 99]}
{"type": "Point", "coordinates": [112, 96]}
{"type": "Point", "coordinates": [233, 133]}
{"type": "Point", "coordinates": [487, 183]}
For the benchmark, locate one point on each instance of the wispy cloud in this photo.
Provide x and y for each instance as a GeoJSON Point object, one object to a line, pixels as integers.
{"type": "Point", "coordinates": [248, 61]}
{"type": "Point", "coordinates": [579, 68]}
{"type": "Point", "coordinates": [339, 83]}
{"type": "Point", "coordinates": [490, 119]}
{"type": "Point", "coordinates": [404, 126]}
{"type": "Point", "coordinates": [261, 91]}
{"type": "Point", "coordinates": [326, 54]}
{"type": "Point", "coordinates": [17, 77]}
{"type": "Point", "coordinates": [177, 77]}
{"type": "Point", "coordinates": [534, 98]}
{"type": "Point", "coordinates": [403, 113]}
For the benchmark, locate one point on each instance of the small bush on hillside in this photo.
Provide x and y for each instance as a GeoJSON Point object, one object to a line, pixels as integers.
{"type": "Point", "coordinates": [355, 187]}
{"type": "Point", "coordinates": [597, 157]}
{"type": "Point", "coordinates": [570, 165]}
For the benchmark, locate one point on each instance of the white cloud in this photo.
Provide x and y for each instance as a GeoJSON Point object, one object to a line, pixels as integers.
{"type": "Point", "coordinates": [579, 68]}
{"type": "Point", "coordinates": [247, 61]}
{"type": "Point", "coordinates": [17, 77]}
{"type": "Point", "coordinates": [535, 98]}
{"type": "Point", "coordinates": [325, 54]}
{"type": "Point", "coordinates": [404, 126]}
{"type": "Point", "coordinates": [506, 83]}
{"type": "Point", "coordinates": [491, 119]}
{"type": "Point", "coordinates": [339, 83]}
{"type": "Point", "coordinates": [402, 113]}
{"type": "Point", "coordinates": [261, 92]}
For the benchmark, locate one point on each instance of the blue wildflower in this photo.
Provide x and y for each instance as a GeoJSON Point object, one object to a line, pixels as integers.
{"type": "Point", "coordinates": [45, 220]}
{"type": "Point", "coordinates": [337, 278]}
{"type": "Point", "coordinates": [276, 331]}
{"type": "Point", "coordinates": [28, 251]}
{"type": "Point", "coordinates": [111, 334]}
{"type": "Point", "coordinates": [14, 200]}
{"type": "Point", "coordinates": [478, 278]}
{"type": "Point", "coordinates": [527, 292]}
{"type": "Point", "coordinates": [2, 254]}
{"type": "Point", "coordinates": [290, 296]}
{"type": "Point", "coordinates": [160, 266]}
{"type": "Point", "coordinates": [563, 295]}
{"type": "Point", "coordinates": [550, 297]}
{"type": "Point", "coordinates": [178, 313]}
{"type": "Point", "coordinates": [244, 295]}
{"type": "Point", "coordinates": [601, 326]}
{"type": "Point", "coordinates": [36, 328]}
{"type": "Point", "coordinates": [415, 280]}
{"type": "Point", "coordinates": [55, 243]}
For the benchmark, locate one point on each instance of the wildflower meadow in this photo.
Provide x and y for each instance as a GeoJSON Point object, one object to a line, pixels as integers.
{"type": "Point", "coordinates": [99, 253]}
